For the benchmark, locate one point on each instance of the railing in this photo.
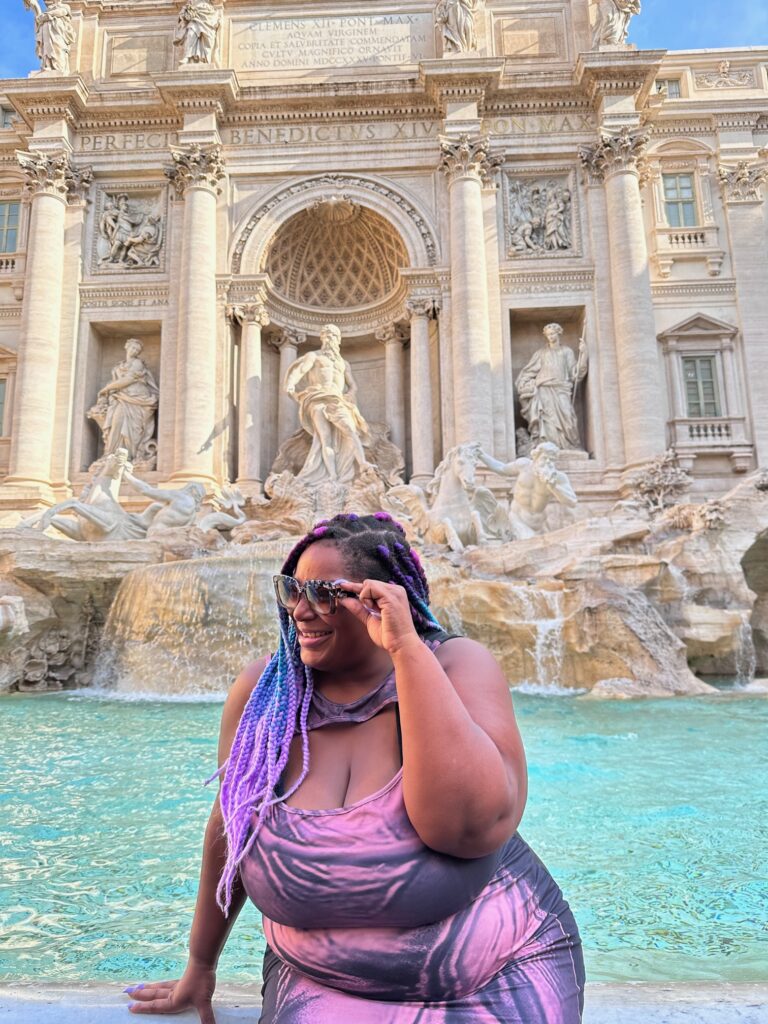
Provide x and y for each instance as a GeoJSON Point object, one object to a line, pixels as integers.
{"type": "Point", "coordinates": [7, 264]}
{"type": "Point", "coordinates": [687, 239]}
{"type": "Point", "coordinates": [709, 431]}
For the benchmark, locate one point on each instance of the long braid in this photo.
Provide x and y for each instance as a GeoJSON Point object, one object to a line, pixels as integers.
{"type": "Point", "coordinates": [373, 547]}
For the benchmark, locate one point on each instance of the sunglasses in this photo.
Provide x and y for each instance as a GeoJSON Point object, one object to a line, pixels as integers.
{"type": "Point", "coordinates": [322, 596]}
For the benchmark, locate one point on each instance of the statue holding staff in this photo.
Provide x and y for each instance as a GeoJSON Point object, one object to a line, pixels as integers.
{"type": "Point", "coordinates": [54, 34]}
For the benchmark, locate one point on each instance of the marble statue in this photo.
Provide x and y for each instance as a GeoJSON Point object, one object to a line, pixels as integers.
{"type": "Point", "coordinates": [540, 217]}
{"type": "Point", "coordinates": [54, 34]}
{"type": "Point", "coordinates": [546, 387]}
{"type": "Point", "coordinates": [97, 514]}
{"type": "Point", "coordinates": [129, 237]}
{"type": "Point", "coordinates": [232, 499]}
{"type": "Point", "coordinates": [126, 408]}
{"type": "Point", "coordinates": [611, 26]}
{"type": "Point", "coordinates": [539, 483]}
{"type": "Point", "coordinates": [197, 32]}
{"type": "Point", "coordinates": [456, 20]}
{"type": "Point", "coordinates": [170, 509]}
{"type": "Point", "coordinates": [453, 510]}
{"type": "Point", "coordinates": [328, 412]}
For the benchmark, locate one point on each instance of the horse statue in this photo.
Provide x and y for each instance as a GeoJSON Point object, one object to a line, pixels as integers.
{"type": "Point", "coordinates": [452, 510]}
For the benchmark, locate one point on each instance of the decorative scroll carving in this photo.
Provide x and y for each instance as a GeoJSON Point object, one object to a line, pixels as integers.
{"type": "Point", "coordinates": [197, 32]}
{"type": "Point", "coordinates": [468, 156]}
{"type": "Point", "coordinates": [130, 232]}
{"type": "Point", "coordinates": [611, 26]}
{"type": "Point", "coordinates": [53, 173]}
{"type": "Point", "coordinates": [724, 78]}
{"type": "Point", "coordinates": [539, 216]}
{"type": "Point", "coordinates": [336, 182]}
{"type": "Point", "coordinates": [741, 184]}
{"type": "Point", "coordinates": [615, 152]}
{"type": "Point", "coordinates": [54, 34]}
{"type": "Point", "coordinates": [456, 21]}
{"type": "Point", "coordinates": [253, 311]}
{"type": "Point", "coordinates": [194, 167]}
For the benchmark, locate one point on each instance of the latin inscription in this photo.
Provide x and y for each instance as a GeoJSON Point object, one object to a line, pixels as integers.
{"type": "Point", "coordinates": [272, 44]}
{"type": "Point", "coordinates": [124, 142]}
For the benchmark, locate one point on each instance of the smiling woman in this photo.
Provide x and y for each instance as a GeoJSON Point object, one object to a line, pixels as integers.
{"type": "Point", "coordinates": [372, 781]}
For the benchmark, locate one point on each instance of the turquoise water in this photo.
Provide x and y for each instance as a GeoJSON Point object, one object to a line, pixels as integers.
{"type": "Point", "coordinates": [651, 815]}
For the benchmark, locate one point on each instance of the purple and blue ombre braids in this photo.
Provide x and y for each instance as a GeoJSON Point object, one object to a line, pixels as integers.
{"type": "Point", "coordinates": [373, 547]}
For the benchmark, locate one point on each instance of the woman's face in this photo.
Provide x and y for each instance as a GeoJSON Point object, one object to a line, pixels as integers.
{"type": "Point", "coordinates": [328, 643]}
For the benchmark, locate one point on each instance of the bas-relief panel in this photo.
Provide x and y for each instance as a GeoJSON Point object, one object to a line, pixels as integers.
{"type": "Point", "coordinates": [525, 35]}
{"type": "Point", "coordinates": [128, 229]}
{"type": "Point", "coordinates": [541, 216]}
{"type": "Point", "coordinates": [137, 54]}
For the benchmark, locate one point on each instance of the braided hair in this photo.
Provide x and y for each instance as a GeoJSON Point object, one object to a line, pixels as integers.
{"type": "Point", "coordinates": [373, 547]}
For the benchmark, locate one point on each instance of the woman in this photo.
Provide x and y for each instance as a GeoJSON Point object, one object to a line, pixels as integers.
{"type": "Point", "coordinates": [372, 782]}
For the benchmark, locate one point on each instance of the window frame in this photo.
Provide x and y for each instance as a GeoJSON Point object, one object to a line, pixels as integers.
{"type": "Point", "coordinates": [661, 85]}
{"type": "Point", "coordinates": [681, 201]}
{"type": "Point", "coordinates": [4, 227]}
{"type": "Point", "coordinates": [710, 357]}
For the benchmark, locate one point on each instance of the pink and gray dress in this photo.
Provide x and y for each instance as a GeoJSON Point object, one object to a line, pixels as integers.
{"type": "Point", "coordinates": [367, 925]}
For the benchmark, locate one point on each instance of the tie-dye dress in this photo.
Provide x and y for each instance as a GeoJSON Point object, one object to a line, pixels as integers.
{"type": "Point", "coordinates": [367, 925]}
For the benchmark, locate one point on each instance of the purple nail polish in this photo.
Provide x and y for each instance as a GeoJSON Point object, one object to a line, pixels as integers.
{"type": "Point", "coordinates": [132, 988]}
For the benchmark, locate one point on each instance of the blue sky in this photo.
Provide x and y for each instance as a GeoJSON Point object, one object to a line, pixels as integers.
{"type": "Point", "coordinates": [664, 24]}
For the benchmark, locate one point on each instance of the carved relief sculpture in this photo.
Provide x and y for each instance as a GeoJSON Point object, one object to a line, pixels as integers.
{"type": "Point", "coordinates": [456, 20]}
{"type": "Point", "coordinates": [54, 34]}
{"type": "Point", "coordinates": [546, 389]}
{"type": "Point", "coordinates": [611, 26]}
{"type": "Point", "coordinates": [126, 408]}
{"type": "Point", "coordinates": [197, 32]}
{"type": "Point", "coordinates": [724, 78]}
{"type": "Point", "coordinates": [328, 412]}
{"type": "Point", "coordinates": [130, 234]}
{"type": "Point", "coordinates": [540, 217]}
{"type": "Point", "coordinates": [741, 184]}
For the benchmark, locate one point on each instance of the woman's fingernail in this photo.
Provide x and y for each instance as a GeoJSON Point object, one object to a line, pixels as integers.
{"type": "Point", "coordinates": [129, 990]}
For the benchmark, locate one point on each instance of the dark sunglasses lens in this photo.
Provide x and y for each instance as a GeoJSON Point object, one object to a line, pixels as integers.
{"type": "Point", "coordinates": [287, 590]}
{"type": "Point", "coordinates": [320, 597]}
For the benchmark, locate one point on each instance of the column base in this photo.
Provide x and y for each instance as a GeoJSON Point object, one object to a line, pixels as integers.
{"type": "Point", "coordinates": [27, 492]}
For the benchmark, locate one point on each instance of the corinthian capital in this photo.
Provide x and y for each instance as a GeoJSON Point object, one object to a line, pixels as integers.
{"type": "Point", "coordinates": [253, 311]}
{"type": "Point", "coordinates": [54, 174]}
{"type": "Point", "coordinates": [741, 184]}
{"type": "Point", "coordinates": [615, 152]}
{"type": "Point", "coordinates": [467, 156]}
{"type": "Point", "coordinates": [421, 305]}
{"type": "Point", "coordinates": [196, 167]}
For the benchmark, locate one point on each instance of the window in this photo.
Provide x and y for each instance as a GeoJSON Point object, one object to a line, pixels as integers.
{"type": "Point", "coordinates": [9, 226]}
{"type": "Point", "coordinates": [7, 117]}
{"type": "Point", "coordinates": [680, 200]}
{"type": "Point", "coordinates": [3, 383]}
{"type": "Point", "coordinates": [670, 86]}
{"type": "Point", "coordinates": [700, 386]}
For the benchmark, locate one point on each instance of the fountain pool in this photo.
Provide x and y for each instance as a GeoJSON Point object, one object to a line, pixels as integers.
{"type": "Point", "coordinates": [648, 813]}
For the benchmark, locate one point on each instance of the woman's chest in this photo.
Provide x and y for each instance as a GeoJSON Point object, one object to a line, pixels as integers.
{"type": "Point", "coordinates": [348, 762]}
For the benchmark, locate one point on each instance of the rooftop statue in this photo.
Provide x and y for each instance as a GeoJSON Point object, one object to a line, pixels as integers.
{"type": "Point", "coordinates": [611, 26]}
{"type": "Point", "coordinates": [197, 32]}
{"type": "Point", "coordinates": [546, 387]}
{"type": "Point", "coordinates": [54, 34]}
{"type": "Point", "coordinates": [456, 20]}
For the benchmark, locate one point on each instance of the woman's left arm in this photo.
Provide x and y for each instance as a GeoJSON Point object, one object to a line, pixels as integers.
{"type": "Point", "coordinates": [464, 773]}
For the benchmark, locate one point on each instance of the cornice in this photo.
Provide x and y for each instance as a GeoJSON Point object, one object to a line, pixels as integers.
{"type": "Point", "coordinates": [516, 282]}
{"type": "Point", "coordinates": [100, 295]}
{"type": "Point", "coordinates": [47, 97]}
{"type": "Point", "coordinates": [694, 289]}
{"type": "Point", "coordinates": [628, 72]}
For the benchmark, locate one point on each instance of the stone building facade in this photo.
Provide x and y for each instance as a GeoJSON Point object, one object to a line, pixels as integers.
{"type": "Point", "coordinates": [220, 197]}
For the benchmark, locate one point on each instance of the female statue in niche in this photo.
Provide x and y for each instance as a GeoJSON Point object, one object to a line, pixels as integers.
{"type": "Point", "coordinates": [126, 408]}
{"type": "Point", "coordinates": [546, 387]}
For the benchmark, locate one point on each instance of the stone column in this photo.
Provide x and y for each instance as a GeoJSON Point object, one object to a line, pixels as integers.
{"type": "Point", "coordinates": [51, 180]}
{"type": "Point", "coordinates": [422, 430]}
{"type": "Point", "coordinates": [615, 161]}
{"type": "Point", "coordinates": [394, 383]}
{"type": "Point", "coordinates": [196, 174]}
{"type": "Point", "coordinates": [287, 342]}
{"type": "Point", "coordinates": [467, 163]}
{"type": "Point", "coordinates": [745, 205]}
{"type": "Point", "coordinates": [251, 316]}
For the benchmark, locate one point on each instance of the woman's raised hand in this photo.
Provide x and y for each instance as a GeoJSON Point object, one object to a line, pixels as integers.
{"type": "Point", "coordinates": [384, 609]}
{"type": "Point", "coordinates": [194, 990]}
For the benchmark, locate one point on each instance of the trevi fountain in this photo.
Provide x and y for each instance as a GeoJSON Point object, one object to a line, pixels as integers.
{"type": "Point", "coordinates": [654, 596]}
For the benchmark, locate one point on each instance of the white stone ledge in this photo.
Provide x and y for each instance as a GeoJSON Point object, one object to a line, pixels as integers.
{"type": "Point", "coordinates": [697, 1003]}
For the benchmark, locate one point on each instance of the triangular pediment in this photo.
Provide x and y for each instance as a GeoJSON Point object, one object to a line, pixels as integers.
{"type": "Point", "coordinates": [697, 326]}
{"type": "Point", "coordinates": [7, 353]}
